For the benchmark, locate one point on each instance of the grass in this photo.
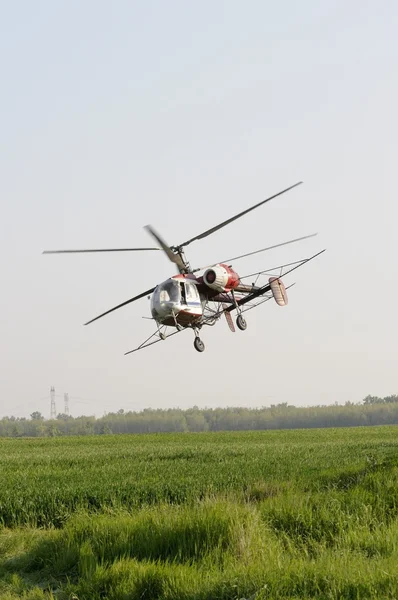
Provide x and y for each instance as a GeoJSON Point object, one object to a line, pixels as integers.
{"type": "Point", "coordinates": [290, 514]}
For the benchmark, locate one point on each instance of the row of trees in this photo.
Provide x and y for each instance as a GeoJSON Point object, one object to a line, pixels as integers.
{"type": "Point", "coordinates": [377, 400]}
{"type": "Point", "coordinates": [371, 411]}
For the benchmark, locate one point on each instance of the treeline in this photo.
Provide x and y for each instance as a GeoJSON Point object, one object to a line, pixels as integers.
{"type": "Point", "coordinates": [371, 411]}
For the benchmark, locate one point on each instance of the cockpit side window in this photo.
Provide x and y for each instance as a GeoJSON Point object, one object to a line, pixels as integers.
{"type": "Point", "coordinates": [191, 292]}
{"type": "Point", "coordinates": [183, 295]}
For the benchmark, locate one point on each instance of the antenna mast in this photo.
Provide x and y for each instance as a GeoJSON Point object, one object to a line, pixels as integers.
{"type": "Point", "coordinates": [66, 404]}
{"type": "Point", "coordinates": [53, 412]}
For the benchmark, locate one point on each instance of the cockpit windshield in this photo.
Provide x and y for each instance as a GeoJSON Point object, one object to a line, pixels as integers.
{"type": "Point", "coordinates": [169, 291]}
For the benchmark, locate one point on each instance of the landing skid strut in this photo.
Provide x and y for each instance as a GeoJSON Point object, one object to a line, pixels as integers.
{"type": "Point", "coordinates": [240, 320]}
{"type": "Point", "coordinates": [198, 344]}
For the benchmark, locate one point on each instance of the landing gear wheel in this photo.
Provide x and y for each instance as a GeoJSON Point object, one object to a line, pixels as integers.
{"type": "Point", "coordinates": [241, 323]}
{"type": "Point", "coordinates": [199, 345]}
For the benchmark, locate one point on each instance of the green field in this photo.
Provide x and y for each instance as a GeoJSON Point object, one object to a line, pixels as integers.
{"type": "Point", "coordinates": [273, 514]}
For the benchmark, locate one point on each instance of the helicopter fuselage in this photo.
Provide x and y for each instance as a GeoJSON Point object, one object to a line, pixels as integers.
{"type": "Point", "coordinates": [177, 301]}
{"type": "Point", "coordinates": [181, 300]}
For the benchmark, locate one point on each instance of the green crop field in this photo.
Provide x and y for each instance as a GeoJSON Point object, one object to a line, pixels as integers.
{"type": "Point", "coordinates": [273, 514]}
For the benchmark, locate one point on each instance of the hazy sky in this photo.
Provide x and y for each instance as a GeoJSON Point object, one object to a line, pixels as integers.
{"type": "Point", "coordinates": [181, 114]}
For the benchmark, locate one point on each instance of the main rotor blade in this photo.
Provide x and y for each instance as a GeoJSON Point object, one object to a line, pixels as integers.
{"type": "Point", "coordinates": [305, 237]}
{"type": "Point", "coordinates": [175, 258]}
{"type": "Point", "coordinates": [258, 251]}
{"type": "Point", "coordinates": [224, 223]}
{"type": "Point", "coordinates": [122, 304]}
{"type": "Point", "coordinates": [97, 250]}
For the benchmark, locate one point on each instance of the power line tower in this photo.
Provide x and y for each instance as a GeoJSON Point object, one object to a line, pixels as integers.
{"type": "Point", "coordinates": [53, 411]}
{"type": "Point", "coordinates": [66, 404]}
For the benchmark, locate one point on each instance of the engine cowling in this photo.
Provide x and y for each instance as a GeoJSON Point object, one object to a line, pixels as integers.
{"type": "Point", "coordinates": [221, 278]}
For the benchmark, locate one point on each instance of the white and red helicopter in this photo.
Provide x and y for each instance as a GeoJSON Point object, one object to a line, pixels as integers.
{"type": "Point", "coordinates": [188, 301]}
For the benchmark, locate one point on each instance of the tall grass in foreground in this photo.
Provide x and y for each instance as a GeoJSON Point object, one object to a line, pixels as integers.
{"type": "Point", "coordinates": [44, 481]}
{"type": "Point", "coordinates": [274, 515]}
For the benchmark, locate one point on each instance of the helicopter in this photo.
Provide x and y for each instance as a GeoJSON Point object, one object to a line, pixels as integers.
{"type": "Point", "coordinates": [187, 301]}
